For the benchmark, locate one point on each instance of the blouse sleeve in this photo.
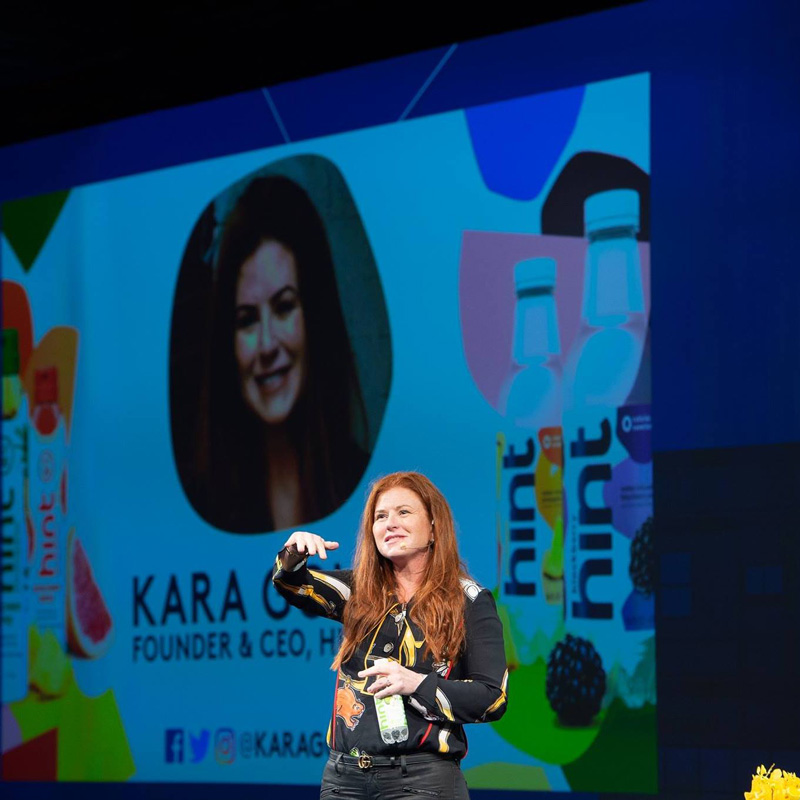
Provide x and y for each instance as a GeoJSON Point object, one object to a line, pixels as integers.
{"type": "Point", "coordinates": [314, 591]}
{"type": "Point", "coordinates": [481, 695]}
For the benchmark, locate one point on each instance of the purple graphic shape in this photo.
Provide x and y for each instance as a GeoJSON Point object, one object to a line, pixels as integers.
{"type": "Point", "coordinates": [629, 495]}
{"type": "Point", "coordinates": [634, 431]}
{"type": "Point", "coordinates": [11, 733]}
{"type": "Point", "coordinates": [518, 142]}
{"type": "Point", "coordinates": [487, 298]}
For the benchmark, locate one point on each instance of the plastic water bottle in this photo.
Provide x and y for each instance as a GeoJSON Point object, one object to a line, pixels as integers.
{"type": "Point", "coordinates": [392, 720]}
{"type": "Point", "coordinates": [603, 363]}
{"type": "Point", "coordinates": [529, 459]}
{"type": "Point", "coordinates": [608, 472]}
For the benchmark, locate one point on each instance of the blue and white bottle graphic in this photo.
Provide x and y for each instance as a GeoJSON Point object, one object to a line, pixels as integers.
{"type": "Point", "coordinates": [603, 362]}
{"type": "Point", "coordinates": [608, 467]}
{"type": "Point", "coordinates": [529, 493]}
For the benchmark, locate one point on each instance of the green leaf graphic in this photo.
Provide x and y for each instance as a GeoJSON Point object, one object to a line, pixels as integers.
{"type": "Point", "coordinates": [27, 223]}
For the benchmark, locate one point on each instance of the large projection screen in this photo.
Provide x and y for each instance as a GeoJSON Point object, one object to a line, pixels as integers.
{"type": "Point", "coordinates": [480, 313]}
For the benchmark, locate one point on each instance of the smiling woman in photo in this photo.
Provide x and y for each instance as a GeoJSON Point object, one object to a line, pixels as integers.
{"type": "Point", "coordinates": [284, 400]}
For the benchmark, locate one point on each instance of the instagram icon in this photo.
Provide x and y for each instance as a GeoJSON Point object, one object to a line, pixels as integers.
{"type": "Point", "coordinates": [224, 746]}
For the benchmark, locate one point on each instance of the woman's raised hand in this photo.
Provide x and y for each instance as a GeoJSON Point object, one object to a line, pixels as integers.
{"type": "Point", "coordinates": [311, 544]}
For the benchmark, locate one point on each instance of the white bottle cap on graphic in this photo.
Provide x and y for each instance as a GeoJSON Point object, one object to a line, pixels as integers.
{"type": "Point", "coordinates": [535, 273]}
{"type": "Point", "coordinates": [618, 208]}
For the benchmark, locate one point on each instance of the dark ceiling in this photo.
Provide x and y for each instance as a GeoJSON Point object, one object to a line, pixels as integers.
{"type": "Point", "coordinates": [63, 67]}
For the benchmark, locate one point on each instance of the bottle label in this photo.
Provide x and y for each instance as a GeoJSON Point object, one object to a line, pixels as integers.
{"type": "Point", "coordinates": [47, 501]}
{"type": "Point", "coordinates": [609, 546]}
{"type": "Point", "coordinates": [14, 600]}
{"type": "Point", "coordinates": [392, 719]}
{"type": "Point", "coordinates": [530, 552]}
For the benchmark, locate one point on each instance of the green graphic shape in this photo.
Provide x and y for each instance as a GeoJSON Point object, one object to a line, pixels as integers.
{"type": "Point", "coordinates": [623, 758]}
{"type": "Point", "coordinates": [512, 659]}
{"type": "Point", "coordinates": [531, 725]}
{"type": "Point", "coordinates": [499, 775]}
{"type": "Point", "coordinates": [92, 745]}
{"type": "Point", "coordinates": [27, 223]}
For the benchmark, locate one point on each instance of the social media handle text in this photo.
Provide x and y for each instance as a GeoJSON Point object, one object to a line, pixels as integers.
{"type": "Point", "coordinates": [226, 746]}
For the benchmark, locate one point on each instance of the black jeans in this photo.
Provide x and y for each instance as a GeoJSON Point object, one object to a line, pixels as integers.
{"type": "Point", "coordinates": [435, 778]}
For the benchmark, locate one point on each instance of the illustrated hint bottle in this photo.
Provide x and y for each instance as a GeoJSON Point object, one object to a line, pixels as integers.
{"type": "Point", "coordinates": [47, 464]}
{"type": "Point", "coordinates": [529, 464]}
{"type": "Point", "coordinates": [14, 599]}
{"type": "Point", "coordinates": [600, 372]}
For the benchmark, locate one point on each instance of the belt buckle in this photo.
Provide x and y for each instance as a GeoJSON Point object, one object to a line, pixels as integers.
{"type": "Point", "coordinates": [365, 761]}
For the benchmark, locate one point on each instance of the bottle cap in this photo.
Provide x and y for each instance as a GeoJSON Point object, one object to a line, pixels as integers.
{"type": "Point", "coordinates": [10, 351]}
{"type": "Point", "coordinates": [45, 382]}
{"type": "Point", "coordinates": [618, 208]}
{"type": "Point", "coordinates": [535, 273]}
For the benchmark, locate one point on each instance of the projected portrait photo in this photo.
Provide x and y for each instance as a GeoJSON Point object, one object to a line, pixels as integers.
{"type": "Point", "coordinates": [280, 358]}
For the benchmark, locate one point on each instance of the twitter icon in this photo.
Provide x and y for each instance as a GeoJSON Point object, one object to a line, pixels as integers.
{"type": "Point", "coordinates": [199, 745]}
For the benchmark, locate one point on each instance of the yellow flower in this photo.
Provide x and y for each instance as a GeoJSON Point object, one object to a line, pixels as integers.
{"type": "Point", "coordinates": [773, 784]}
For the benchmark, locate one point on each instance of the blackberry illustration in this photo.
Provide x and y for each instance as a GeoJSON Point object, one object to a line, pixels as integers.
{"type": "Point", "coordinates": [576, 681]}
{"type": "Point", "coordinates": [642, 568]}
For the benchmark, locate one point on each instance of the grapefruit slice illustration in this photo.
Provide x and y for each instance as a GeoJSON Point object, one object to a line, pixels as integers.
{"type": "Point", "coordinates": [89, 624]}
{"type": "Point", "coordinates": [57, 348]}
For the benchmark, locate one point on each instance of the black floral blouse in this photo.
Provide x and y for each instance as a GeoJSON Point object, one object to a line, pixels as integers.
{"type": "Point", "coordinates": [470, 689]}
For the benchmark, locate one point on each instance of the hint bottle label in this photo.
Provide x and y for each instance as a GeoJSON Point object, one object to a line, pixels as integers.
{"type": "Point", "coordinates": [608, 491]}
{"type": "Point", "coordinates": [47, 464]}
{"type": "Point", "coordinates": [593, 589]}
{"type": "Point", "coordinates": [531, 546]}
{"type": "Point", "coordinates": [392, 719]}
{"type": "Point", "coordinates": [14, 600]}
{"type": "Point", "coordinates": [550, 505]}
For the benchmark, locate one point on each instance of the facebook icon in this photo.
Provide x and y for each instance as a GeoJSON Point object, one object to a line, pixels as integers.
{"type": "Point", "coordinates": [173, 746]}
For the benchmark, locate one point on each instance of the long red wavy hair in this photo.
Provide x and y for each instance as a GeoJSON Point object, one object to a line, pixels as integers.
{"type": "Point", "coordinates": [438, 607]}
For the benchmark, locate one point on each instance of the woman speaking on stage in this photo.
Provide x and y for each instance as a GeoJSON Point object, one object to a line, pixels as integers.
{"type": "Point", "coordinates": [422, 648]}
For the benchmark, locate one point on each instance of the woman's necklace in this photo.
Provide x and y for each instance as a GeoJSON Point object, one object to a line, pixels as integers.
{"type": "Point", "coordinates": [400, 618]}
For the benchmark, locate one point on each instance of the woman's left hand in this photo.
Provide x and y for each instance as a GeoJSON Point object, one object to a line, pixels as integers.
{"type": "Point", "coordinates": [391, 678]}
